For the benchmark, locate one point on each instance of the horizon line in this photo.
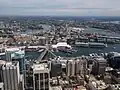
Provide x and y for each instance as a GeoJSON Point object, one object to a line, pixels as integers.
{"type": "Point", "coordinates": [57, 16]}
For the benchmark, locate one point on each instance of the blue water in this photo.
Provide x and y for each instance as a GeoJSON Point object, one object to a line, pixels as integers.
{"type": "Point", "coordinates": [84, 51]}
{"type": "Point", "coordinates": [32, 55]}
{"type": "Point", "coordinates": [101, 31]}
{"type": "Point", "coordinates": [87, 51]}
{"type": "Point", "coordinates": [81, 51]}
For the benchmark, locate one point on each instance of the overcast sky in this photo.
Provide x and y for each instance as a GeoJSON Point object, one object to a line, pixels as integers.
{"type": "Point", "coordinates": [60, 7]}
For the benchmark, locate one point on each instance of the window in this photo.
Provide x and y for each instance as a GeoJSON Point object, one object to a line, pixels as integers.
{"type": "Point", "coordinates": [41, 76]}
{"type": "Point", "coordinates": [46, 75]}
{"type": "Point", "coordinates": [47, 89]}
{"type": "Point", "coordinates": [36, 77]}
{"type": "Point", "coordinates": [41, 84]}
{"type": "Point", "coordinates": [46, 84]}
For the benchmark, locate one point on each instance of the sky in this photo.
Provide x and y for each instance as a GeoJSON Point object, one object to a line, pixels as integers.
{"type": "Point", "coordinates": [60, 7]}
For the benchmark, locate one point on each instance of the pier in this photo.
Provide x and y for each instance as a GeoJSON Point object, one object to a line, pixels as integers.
{"type": "Point", "coordinates": [109, 39]}
{"type": "Point", "coordinates": [43, 47]}
{"type": "Point", "coordinates": [101, 39]}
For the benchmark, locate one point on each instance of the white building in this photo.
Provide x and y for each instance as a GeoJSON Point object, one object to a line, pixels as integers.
{"type": "Point", "coordinates": [75, 29]}
{"type": "Point", "coordinates": [79, 66]}
{"type": "Point", "coordinates": [70, 68]}
{"type": "Point", "coordinates": [10, 75]}
{"type": "Point", "coordinates": [74, 67]}
{"type": "Point", "coordinates": [61, 44]}
{"type": "Point", "coordinates": [41, 77]}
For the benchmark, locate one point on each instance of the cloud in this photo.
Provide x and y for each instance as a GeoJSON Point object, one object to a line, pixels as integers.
{"type": "Point", "coordinates": [60, 7]}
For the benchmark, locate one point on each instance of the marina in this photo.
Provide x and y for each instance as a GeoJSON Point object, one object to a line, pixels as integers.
{"type": "Point", "coordinates": [86, 50]}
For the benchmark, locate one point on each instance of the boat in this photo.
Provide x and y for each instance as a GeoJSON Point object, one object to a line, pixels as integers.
{"type": "Point", "coordinates": [114, 47]}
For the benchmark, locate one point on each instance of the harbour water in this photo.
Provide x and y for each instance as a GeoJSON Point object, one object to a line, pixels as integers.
{"type": "Point", "coordinates": [80, 51]}
{"type": "Point", "coordinates": [85, 51]}
{"type": "Point", "coordinates": [101, 31]}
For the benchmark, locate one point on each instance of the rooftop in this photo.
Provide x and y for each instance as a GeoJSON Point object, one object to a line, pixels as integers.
{"type": "Point", "coordinates": [1, 85]}
{"type": "Point", "coordinates": [2, 61]}
{"type": "Point", "coordinates": [12, 49]}
{"type": "Point", "coordinates": [100, 59]}
{"type": "Point", "coordinates": [116, 54]}
{"type": "Point", "coordinates": [40, 67]}
{"type": "Point", "coordinates": [61, 44]}
{"type": "Point", "coordinates": [99, 84]}
{"type": "Point", "coordinates": [10, 64]}
{"type": "Point", "coordinates": [56, 88]}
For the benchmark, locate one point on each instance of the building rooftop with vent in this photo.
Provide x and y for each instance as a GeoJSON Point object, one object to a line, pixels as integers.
{"type": "Point", "coordinates": [10, 64]}
{"type": "Point", "coordinates": [40, 68]}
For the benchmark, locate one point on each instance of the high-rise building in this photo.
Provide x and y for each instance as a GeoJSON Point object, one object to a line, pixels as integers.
{"type": "Point", "coordinates": [16, 54]}
{"type": "Point", "coordinates": [28, 76]}
{"type": "Point", "coordinates": [10, 75]}
{"type": "Point", "coordinates": [79, 66]}
{"type": "Point", "coordinates": [74, 67]}
{"type": "Point", "coordinates": [56, 69]}
{"type": "Point", "coordinates": [114, 60]}
{"type": "Point", "coordinates": [70, 68]}
{"type": "Point", "coordinates": [99, 66]}
{"type": "Point", "coordinates": [41, 77]}
{"type": "Point", "coordinates": [37, 76]}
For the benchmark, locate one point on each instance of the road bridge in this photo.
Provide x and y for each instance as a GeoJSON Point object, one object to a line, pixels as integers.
{"type": "Point", "coordinates": [43, 54]}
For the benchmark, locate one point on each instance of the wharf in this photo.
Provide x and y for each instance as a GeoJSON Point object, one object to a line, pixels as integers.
{"type": "Point", "coordinates": [100, 39]}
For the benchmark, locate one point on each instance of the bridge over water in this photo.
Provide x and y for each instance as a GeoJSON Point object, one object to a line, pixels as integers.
{"type": "Point", "coordinates": [44, 53]}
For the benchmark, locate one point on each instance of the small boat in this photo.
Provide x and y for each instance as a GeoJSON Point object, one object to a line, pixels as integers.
{"type": "Point", "coordinates": [74, 50]}
{"type": "Point", "coordinates": [90, 55]}
{"type": "Point", "coordinates": [114, 47]}
{"type": "Point", "coordinates": [99, 50]}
